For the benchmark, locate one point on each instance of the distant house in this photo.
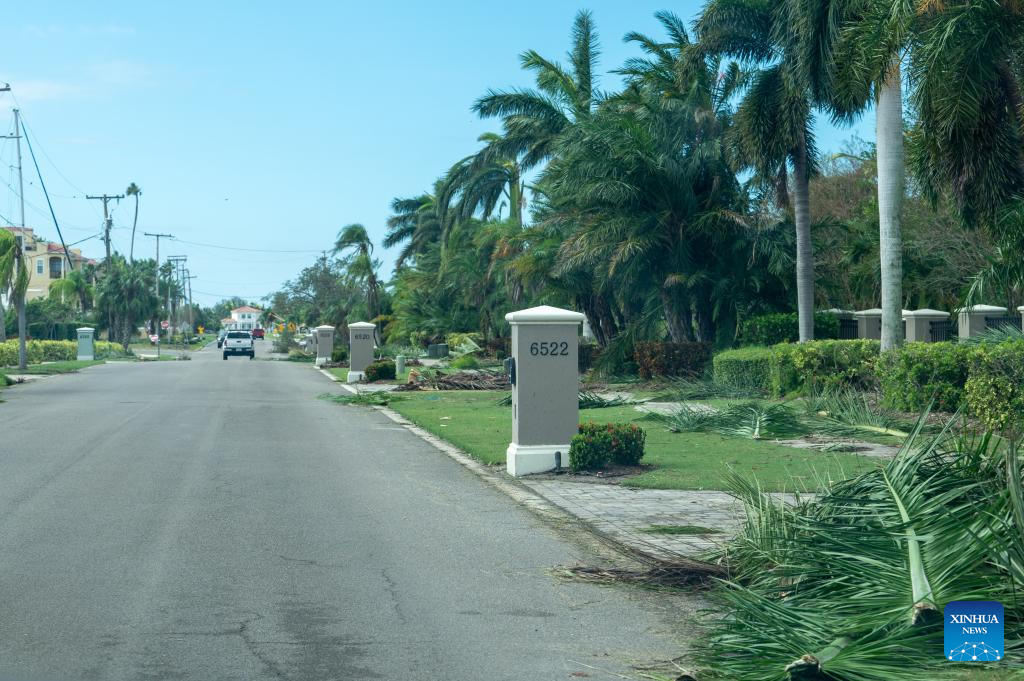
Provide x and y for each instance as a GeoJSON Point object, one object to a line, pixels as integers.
{"type": "Point", "coordinates": [243, 318]}
{"type": "Point", "coordinates": [45, 260]}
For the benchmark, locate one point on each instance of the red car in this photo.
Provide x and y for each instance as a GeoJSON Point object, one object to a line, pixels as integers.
{"type": "Point", "coordinates": [258, 333]}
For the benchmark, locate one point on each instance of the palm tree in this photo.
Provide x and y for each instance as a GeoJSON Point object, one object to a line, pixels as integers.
{"type": "Point", "coordinates": [133, 190]}
{"type": "Point", "coordinates": [355, 243]}
{"type": "Point", "coordinates": [773, 121]}
{"type": "Point", "coordinates": [479, 182]}
{"type": "Point", "coordinates": [14, 278]}
{"type": "Point", "coordinates": [75, 285]}
{"type": "Point", "coordinates": [534, 119]}
{"type": "Point", "coordinates": [416, 223]}
{"type": "Point", "coordinates": [126, 296]}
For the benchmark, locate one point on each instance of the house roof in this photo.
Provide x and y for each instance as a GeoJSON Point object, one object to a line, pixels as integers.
{"type": "Point", "coordinates": [247, 308]}
{"type": "Point", "coordinates": [227, 320]}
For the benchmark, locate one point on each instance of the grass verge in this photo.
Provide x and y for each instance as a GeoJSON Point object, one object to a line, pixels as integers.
{"type": "Point", "coordinates": [474, 422]}
{"type": "Point", "coordinates": [50, 368]}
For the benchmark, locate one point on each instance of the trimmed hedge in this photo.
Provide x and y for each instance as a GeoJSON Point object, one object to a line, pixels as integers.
{"type": "Point", "coordinates": [995, 388]}
{"type": "Point", "coordinates": [52, 351]}
{"type": "Point", "coordinates": [749, 367]}
{"type": "Point", "coordinates": [794, 367]}
{"type": "Point", "coordinates": [671, 359]}
{"type": "Point", "coordinates": [339, 354]}
{"type": "Point", "coordinates": [383, 370]}
{"type": "Point", "coordinates": [784, 327]}
{"type": "Point", "coordinates": [600, 443]}
{"type": "Point", "coordinates": [912, 376]}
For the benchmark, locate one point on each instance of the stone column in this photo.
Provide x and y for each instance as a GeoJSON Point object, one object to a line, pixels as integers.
{"type": "Point", "coordinates": [86, 344]}
{"type": "Point", "coordinates": [1021, 311]}
{"type": "Point", "coordinates": [360, 349]}
{"type": "Point", "coordinates": [972, 319]}
{"type": "Point", "coordinates": [869, 323]}
{"type": "Point", "coordinates": [324, 344]}
{"type": "Point", "coordinates": [919, 324]}
{"type": "Point", "coordinates": [545, 388]}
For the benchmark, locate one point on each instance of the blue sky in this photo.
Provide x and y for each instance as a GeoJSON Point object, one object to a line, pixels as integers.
{"type": "Point", "coordinates": [268, 125]}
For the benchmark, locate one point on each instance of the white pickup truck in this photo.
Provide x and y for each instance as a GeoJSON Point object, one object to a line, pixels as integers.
{"type": "Point", "coordinates": [239, 343]}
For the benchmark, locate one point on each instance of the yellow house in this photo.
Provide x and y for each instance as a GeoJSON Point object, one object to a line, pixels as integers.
{"type": "Point", "coordinates": [45, 260]}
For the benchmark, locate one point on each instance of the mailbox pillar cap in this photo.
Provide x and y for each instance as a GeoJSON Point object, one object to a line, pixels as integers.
{"type": "Point", "coordinates": [545, 314]}
{"type": "Point", "coordinates": [362, 325]}
{"type": "Point", "coordinates": [1020, 309]}
{"type": "Point", "coordinates": [976, 309]}
{"type": "Point", "coordinates": [85, 328]}
{"type": "Point", "coordinates": [873, 312]}
{"type": "Point", "coordinates": [324, 327]}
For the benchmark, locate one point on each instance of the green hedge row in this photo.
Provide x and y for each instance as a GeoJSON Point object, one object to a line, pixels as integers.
{"type": "Point", "coordinates": [987, 378]}
{"type": "Point", "coordinates": [784, 327]}
{"type": "Point", "coordinates": [52, 351]}
{"type": "Point", "coordinates": [788, 367]}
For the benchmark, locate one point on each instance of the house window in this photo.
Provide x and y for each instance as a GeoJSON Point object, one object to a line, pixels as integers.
{"type": "Point", "coordinates": [21, 240]}
{"type": "Point", "coordinates": [55, 268]}
{"type": "Point", "coordinates": [39, 265]}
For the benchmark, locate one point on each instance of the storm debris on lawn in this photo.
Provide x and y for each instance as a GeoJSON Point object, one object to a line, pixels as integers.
{"type": "Point", "coordinates": [462, 380]}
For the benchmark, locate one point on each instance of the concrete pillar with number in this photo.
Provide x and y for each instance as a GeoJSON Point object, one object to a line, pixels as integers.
{"type": "Point", "coordinates": [545, 388]}
{"type": "Point", "coordinates": [324, 343]}
{"type": "Point", "coordinates": [86, 344]}
{"type": "Point", "coordinates": [360, 349]}
{"type": "Point", "coordinates": [1020, 310]}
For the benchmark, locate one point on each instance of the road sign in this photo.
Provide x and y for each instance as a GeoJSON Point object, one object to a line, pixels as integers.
{"type": "Point", "coordinates": [165, 324]}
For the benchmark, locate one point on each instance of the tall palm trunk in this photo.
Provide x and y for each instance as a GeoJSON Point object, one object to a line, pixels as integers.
{"type": "Point", "coordinates": [515, 197]}
{"type": "Point", "coordinates": [135, 221]}
{"type": "Point", "coordinates": [3, 321]}
{"type": "Point", "coordinates": [804, 250]}
{"type": "Point", "coordinates": [889, 136]}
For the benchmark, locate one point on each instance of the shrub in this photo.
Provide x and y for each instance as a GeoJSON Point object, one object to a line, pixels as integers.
{"type": "Point", "coordinates": [744, 368]}
{"type": "Point", "coordinates": [284, 342]}
{"type": "Point", "coordinates": [598, 444]}
{"type": "Point", "coordinates": [465, 362]}
{"type": "Point", "coordinates": [37, 351]}
{"type": "Point", "coordinates": [339, 354]}
{"type": "Point", "coordinates": [827, 364]}
{"type": "Point", "coordinates": [995, 388]}
{"type": "Point", "coordinates": [784, 327]}
{"type": "Point", "coordinates": [671, 359]}
{"type": "Point", "coordinates": [383, 370]}
{"type": "Point", "coordinates": [912, 376]}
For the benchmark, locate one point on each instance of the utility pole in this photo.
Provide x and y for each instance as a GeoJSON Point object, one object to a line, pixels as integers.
{"type": "Point", "coordinates": [179, 264]}
{"type": "Point", "coordinates": [191, 322]}
{"type": "Point", "coordinates": [106, 220]}
{"type": "Point", "coordinates": [158, 237]}
{"type": "Point", "coordinates": [19, 303]}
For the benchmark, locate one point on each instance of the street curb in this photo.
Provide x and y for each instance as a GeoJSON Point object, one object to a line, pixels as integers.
{"type": "Point", "coordinates": [334, 378]}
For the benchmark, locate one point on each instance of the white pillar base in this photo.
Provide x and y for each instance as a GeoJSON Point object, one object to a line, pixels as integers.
{"type": "Point", "coordinates": [355, 376]}
{"type": "Point", "coordinates": [86, 358]}
{"type": "Point", "coordinates": [528, 459]}
{"type": "Point", "coordinates": [320, 361]}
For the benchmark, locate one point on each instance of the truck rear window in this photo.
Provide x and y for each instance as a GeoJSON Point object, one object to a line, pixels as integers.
{"type": "Point", "coordinates": [238, 334]}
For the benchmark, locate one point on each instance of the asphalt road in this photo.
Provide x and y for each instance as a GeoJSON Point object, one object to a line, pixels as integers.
{"type": "Point", "coordinates": [214, 520]}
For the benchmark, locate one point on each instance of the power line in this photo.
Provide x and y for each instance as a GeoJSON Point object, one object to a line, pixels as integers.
{"type": "Point", "coordinates": [250, 250]}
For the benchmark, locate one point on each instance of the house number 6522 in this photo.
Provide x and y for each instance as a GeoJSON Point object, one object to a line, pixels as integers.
{"type": "Point", "coordinates": [549, 349]}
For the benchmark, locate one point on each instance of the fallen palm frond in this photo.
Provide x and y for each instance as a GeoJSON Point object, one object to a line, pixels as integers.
{"type": "Point", "coordinates": [375, 398]}
{"type": "Point", "coordinates": [996, 334]}
{"type": "Point", "coordinates": [755, 420]}
{"type": "Point", "coordinates": [849, 586]}
{"type": "Point", "coordinates": [686, 389]}
{"type": "Point", "coordinates": [432, 379]}
{"type": "Point", "coordinates": [850, 412]}
{"type": "Point", "coordinates": [684, 573]}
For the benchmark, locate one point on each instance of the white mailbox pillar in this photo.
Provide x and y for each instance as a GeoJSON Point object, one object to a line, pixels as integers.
{"type": "Point", "coordinates": [919, 324]}
{"type": "Point", "coordinates": [324, 344]}
{"type": "Point", "coordinates": [1021, 311]}
{"type": "Point", "coordinates": [869, 323]}
{"type": "Point", "coordinates": [972, 320]}
{"type": "Point", "coordinates": [545, 388]}
{"type": "Point", "coordinates": [86, 344]}
{"type": "Point", "coordinates": [360, 349]}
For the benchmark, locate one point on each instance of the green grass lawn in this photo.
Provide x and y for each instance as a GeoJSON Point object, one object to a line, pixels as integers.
{"type": "Point", "coordinates": [50, 368]}
{"type": "Point", "coordinates": [473, 421]}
